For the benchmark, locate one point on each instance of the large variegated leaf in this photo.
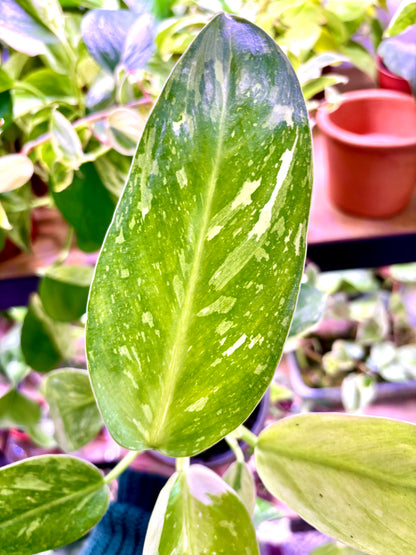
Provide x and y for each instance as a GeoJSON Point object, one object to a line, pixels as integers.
{"type": "Point", "coordinates": [197, 280]}
{"type": "Point", "coordinates": [197, 512]}
{"type": "Point", "coordinates": [351, 477]}
{"type": "Point", "coordinates": [48, 502]}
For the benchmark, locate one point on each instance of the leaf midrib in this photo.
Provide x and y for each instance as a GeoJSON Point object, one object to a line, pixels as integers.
{"type": "Point", "coordinates": [49, 505]}
{"type": "Point", "coordinates": [356, 471]}
{"type": "Point", "coordinates": [182, 327]}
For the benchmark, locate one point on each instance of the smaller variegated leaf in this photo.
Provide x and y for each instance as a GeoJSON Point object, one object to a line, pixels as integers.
{"type": "Point", "coordinates": [197, 512]}
{"type": "Point", "coordinates": [240, 478]}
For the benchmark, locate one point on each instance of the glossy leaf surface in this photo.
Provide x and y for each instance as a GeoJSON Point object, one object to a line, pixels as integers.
{"type": "Point", "coordinates": [197, 280]}
{"type": "Point", "coordinates": [64, 291]}
{"type": "Point", "coordinates": [351, 477]}
{"type": "Point", "coordinates": [73, 408]}
{"type": "Point", "coordinates": [197, 512]}
{"type": "Point", "coordinates": [48, 502]}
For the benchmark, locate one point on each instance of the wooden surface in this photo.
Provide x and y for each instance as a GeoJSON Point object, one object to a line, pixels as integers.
{"type": "Point", "coordinates": [327, 223]}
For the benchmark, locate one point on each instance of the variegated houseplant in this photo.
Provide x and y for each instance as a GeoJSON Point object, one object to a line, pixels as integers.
{"type": "Point", "coordinates": [189, 309]}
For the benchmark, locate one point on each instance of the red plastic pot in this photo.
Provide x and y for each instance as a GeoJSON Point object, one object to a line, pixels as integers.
{"type": "Point", "coordinates": [370, 142]}
{"type": "Point", "coordinates": [388, 80]}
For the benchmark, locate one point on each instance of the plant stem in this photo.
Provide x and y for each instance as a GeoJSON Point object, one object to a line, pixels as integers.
{"type": "Point", "coordinates": [83, 122]}
{"type": "Point", "coordinates": [244, 433]}
{"type": "Point", "coordinates": [121, 466]}
{"type": "Point", "coordinates": [235, 448]}
{"type": "Point", "coordinates": [66, 248]}
{"type": "Point", "coordinates": [182, 464]}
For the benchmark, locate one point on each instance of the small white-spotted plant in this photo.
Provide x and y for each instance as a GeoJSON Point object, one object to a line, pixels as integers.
{"type": "Point", "coordinates": [189, 309]}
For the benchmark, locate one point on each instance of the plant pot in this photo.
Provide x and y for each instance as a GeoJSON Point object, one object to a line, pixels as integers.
{"type": "Point", "coordinates": [330, 397]}
{"type": "Point", "coordinates": [370, 143]}
{"type": "Point", "coordinates": [220, 454]}
{"type": "Point", "coordinates": [388, 80]}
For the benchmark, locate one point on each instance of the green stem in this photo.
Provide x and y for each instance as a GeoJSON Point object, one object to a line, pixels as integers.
{"type": "Point", "coordinates": [247, 436]}
{"type": "Point", "coordinates": [66, 248]}
{"type": "Point", "coordinates": [182, 464]}
{"type": "Point", "coordinates": [121, 466]}
{"type": "Point", "coordinates": [235, 447]}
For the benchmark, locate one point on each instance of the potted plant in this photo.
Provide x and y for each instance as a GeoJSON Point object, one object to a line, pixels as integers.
{"type": "Point", "coordinates": [364, 349]}
{"type": "Point", "coordinates": [199, 339]}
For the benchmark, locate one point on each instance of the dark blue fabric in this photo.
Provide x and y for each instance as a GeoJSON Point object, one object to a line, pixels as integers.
{"type": "Point", "coordinates": [122, 529]}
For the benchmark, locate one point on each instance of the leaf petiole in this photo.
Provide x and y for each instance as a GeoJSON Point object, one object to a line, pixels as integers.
{"type": "Point", "coordinates": [121, 466]}
{"type": "Point", "coordinates": [244, 433]}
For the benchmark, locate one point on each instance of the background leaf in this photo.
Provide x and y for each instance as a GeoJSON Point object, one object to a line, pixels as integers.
{"type": "Point", "coordinates": [65, 141]}
{"type": "Point", "coordinates": [240, 478]}
{"type": "Point", "coordinates": [72, 407]}
{"type": "Point", "coordinates": [403, 18]}
{"type": "Point", "coordinates": [18, 411]}
{"type": "Point", "coordinates": [48, 502]}
{"type": "Point", "coordinates": [196, 283]}
{"type": "Point", "coordinates": [64, 291]}
{"type": "Point", "coordinates": [23, 33]}
{"type": "Point", "coordinates": [139, 44]}
{"type": "Point", "coordinates": [88, 207]}
{"type": "Point", "coordinates": [15, 170]}
{"type": "Point", "coordinates": [351, 477]}
{"type": "Point", "coordinates": [196, 511]}
{"type": "Point", "coordinates": [44, 341]}
{"type": "Point", "coordinates": [309, 309]}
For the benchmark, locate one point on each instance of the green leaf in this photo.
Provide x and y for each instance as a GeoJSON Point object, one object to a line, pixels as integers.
{"type": "Point", "coordinates": [124, 129]}
{"type": "Point", "coordinates": [334, 549]}
{"type": "Point", "coordinates": [113, 169]}
{"type": "Point", "coordinates": [6, 82]}
{"type": "Point", "coordinates": [87, 206]}
{"type": "Point", "coordinates": [6, 111]}
{"type": "Point", "coordinates": [44, 341]}
{"type": "Point", "coordinates": [351, 477]}
{"type": "Point", "coordinates": [206, 248]}
{"type": "Point", "coordinates": [47, 502]}
{"type": "Point", "coordinates": [15, 171]}
{"type": "Point", "coordinates": [18, 411]}
{"type": "Point", "coordinates": [65, 141]}
{"type": "Point", "coordinates": [360, 57]}
{"type": "Point", "coordinates": [309, 309]}
{"type": "Point", "coordinates": [315, 86]}
{"type": "Point", "coordinates": [240, 478]}
{"type": "Point", "coordinates": [403, 18]}
{"type": "Point", "coordinates": [47, 12]}
{"type": "Point", "coordinates": [405, 273]}
{"type": "Point", "coordinates": [197, 512]}
{"type": "Point", "coordinates": [64, 291]}
{"type": "Point", "coordinates": [72, 407]}
{"type": "Point", "coordinates": [17, 206]}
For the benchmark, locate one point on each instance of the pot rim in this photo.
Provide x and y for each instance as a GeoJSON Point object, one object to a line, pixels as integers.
{"type": "Point", "coordinates": [329, 128]}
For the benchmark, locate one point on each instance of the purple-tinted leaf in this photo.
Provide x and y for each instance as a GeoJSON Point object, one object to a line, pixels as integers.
{"type": "Point", "coordinates": [139, 44]}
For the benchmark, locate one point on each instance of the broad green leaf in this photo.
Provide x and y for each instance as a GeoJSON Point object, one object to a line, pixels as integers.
{"type": "Point", "coordinates": [15, 171]}
{"type": "Point", "coordinates": [240, 478]}
{"type": "Point", "coordinates": [309, 309]}
{"type": "Point", "coordinates": [403, 18]}
{"type": "Point", "coordinates": [18, 411]}
{"type": "Point", "coordinates": [87, 206]}
{"type": "Point", "coordinates": [54, 86]}
{"type": "Point", "coordinates": [47, 502]}
{"type": "Point", "coordinates": [197, 281]}
{"type": "Point", "coordinates": [65, 141]}
{"type": "Point", "coordinates": [72, 407]}
{"type": "Point", "coordinates": [20, 31]}
{"type": "Point", "coordinates": [360, 57]}
{"type": "Point", "coordinates": [17, 206]}
{"type": "Point", "coordinates": [349, 476]}
{"type": "Point", "coordinates": [197, 512]}
{"type": "Point", "coordinates": [64, 291]}
{"type": "Point", "coordinates": [44, 341]}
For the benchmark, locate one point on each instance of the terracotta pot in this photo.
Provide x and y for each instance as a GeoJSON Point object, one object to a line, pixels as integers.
{"type": "Point", "coordinates": [370, 142]}
{"type": "Point", "coordinates": [388, 80]}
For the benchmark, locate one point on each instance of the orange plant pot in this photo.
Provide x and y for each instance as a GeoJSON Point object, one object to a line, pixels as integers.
{"type": "Point", "coordinates": [370, 142]}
